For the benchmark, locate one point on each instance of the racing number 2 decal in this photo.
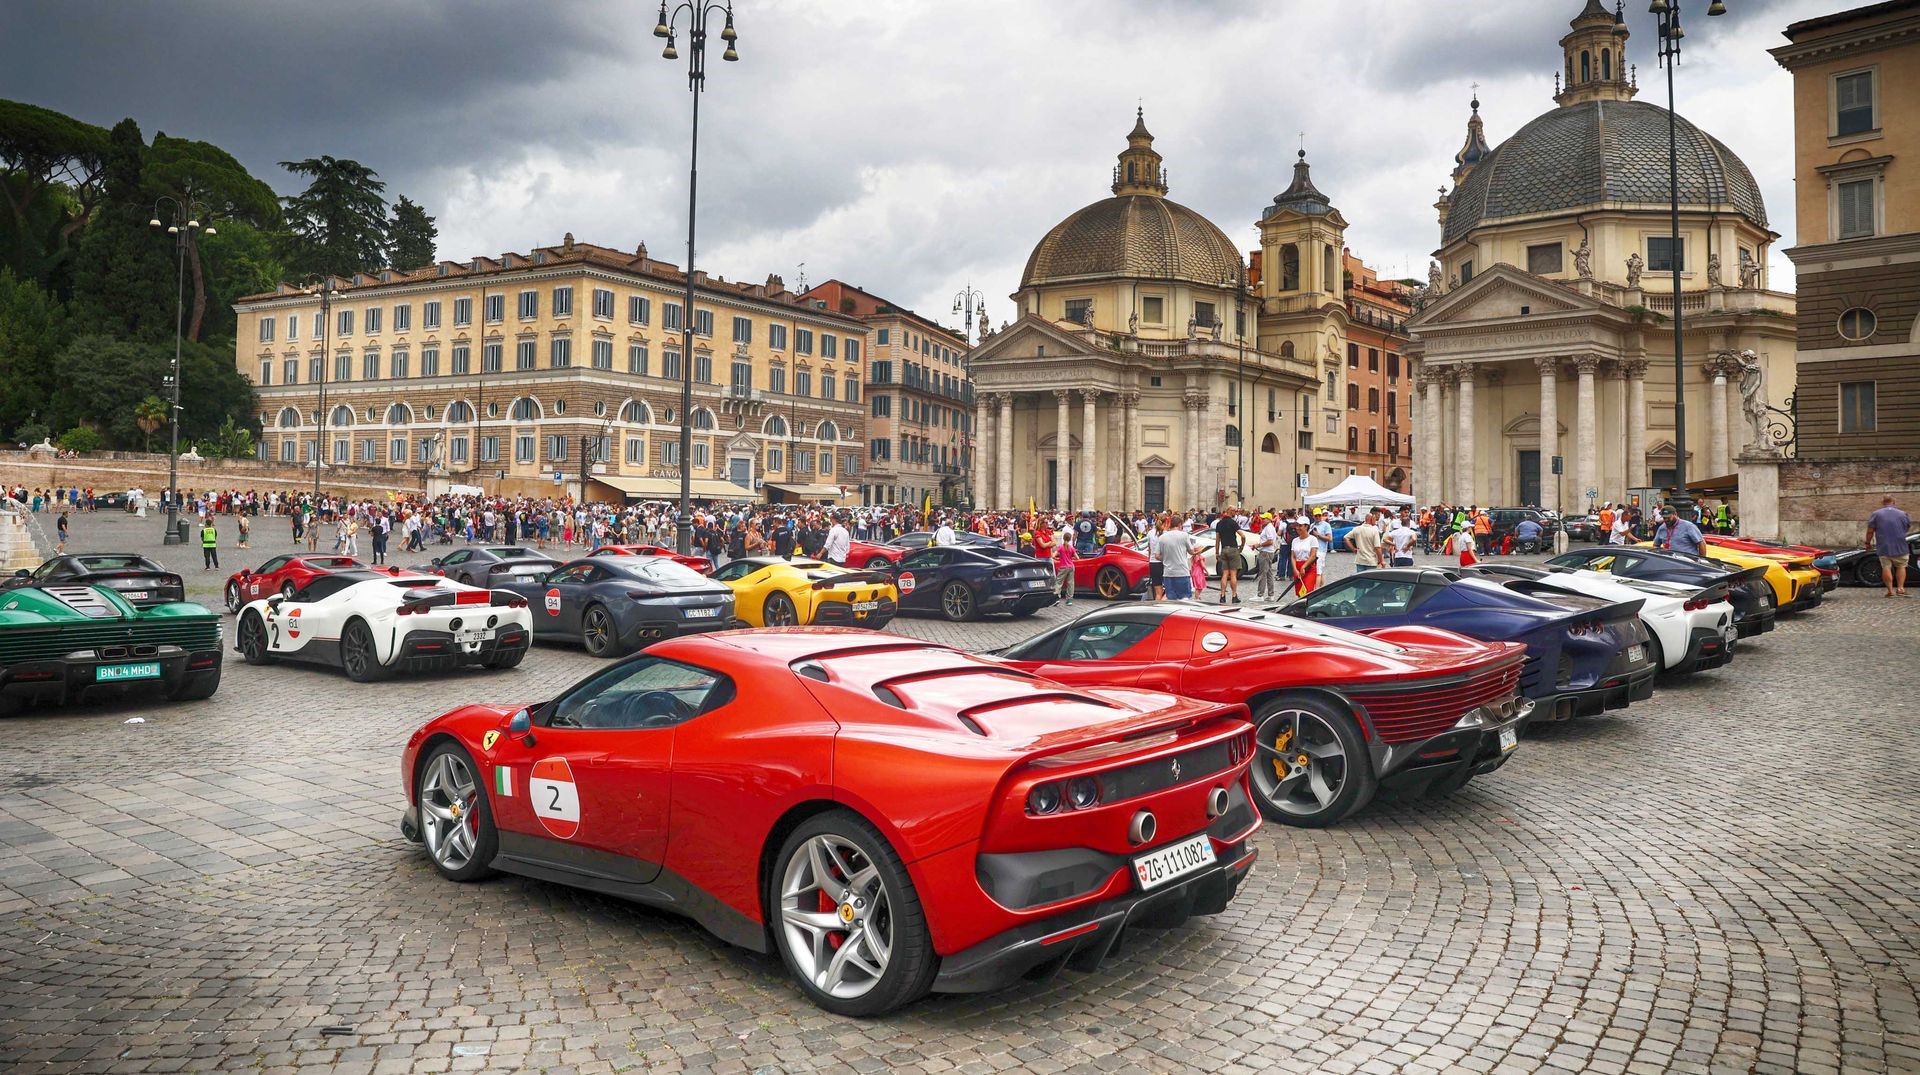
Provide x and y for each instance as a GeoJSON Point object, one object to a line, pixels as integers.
{"type": "Point", "coordinates": [555, 799]}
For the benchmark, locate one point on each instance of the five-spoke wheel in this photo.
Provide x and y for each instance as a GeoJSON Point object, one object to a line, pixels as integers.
{"type": "Point", "coordinates": [1312, 767]}
{"type": "Point", "coordinates": [956, 602]}
{"type": "Point", "coordinates": [456, 822]}
{"type": "Point", "coordinates": [234, 600]}
{"type": "Point", "coordinates": [779, 611]}
{"type": "Point", "coordinates": [846, 919]}
{"type": "Point", "coordinates": [1111, 582]}
{"type": "Point", "coordinates": [597, 632]}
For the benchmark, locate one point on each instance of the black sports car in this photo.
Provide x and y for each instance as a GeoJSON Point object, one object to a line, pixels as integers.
{"type": "Point", "coordinates": [1861, 567]}
{"type": "Point", "coordinates": [964, 582]}
{"type": "Point", "coordinates": [616, 605]}
{"type": "Point", "coordinates": [138, 580]}
{"type": "Point", "coordinates": [1752, 595]}
{"type": "Point", "coordinates": [491, 565]}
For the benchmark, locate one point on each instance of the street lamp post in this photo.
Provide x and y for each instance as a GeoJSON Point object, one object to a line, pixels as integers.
{"type": "Point", "coordinates": [1668, 14]}
{"type": "Point", "coordinates": [970, 302]}
{"type": "Point", "coordinates": [185, 219]}
{"type": "Point", "coordinates": [325, 290]}
{"type": "Point", "coordinates": [697, 13]}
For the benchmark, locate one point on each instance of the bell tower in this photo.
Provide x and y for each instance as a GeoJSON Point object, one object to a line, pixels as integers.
{"type": "Point", "coordinates": [1301, 237]}
{"type": "Point", "coordinates": [1596, 57]}
{"type": "Point", "coordinates": [1139, 170]}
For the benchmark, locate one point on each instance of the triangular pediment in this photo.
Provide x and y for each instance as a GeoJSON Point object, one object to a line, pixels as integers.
{"type": "Point", "coordinates": [1502, 293]}
{"type": "Point", "coordinates": [1155, 461]}
{"type": "Point", "coordinates": [1025, 338]}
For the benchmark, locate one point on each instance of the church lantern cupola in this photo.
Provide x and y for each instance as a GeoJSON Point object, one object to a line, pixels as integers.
{"type": "Point", "coordinates": [1139, 170]}
{"type": "Point", "coordinates": [1475, 148]}
{"type": "Point", "coordinates": [1596, 57]}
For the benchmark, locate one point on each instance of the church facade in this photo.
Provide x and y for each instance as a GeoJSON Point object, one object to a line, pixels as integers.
{"type": "Point", "coordinates": [1148, 368]}
{"type": "Point", "coordinates": [1546, 329]}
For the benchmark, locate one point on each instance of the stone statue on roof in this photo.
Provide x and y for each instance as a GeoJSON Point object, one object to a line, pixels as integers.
{"type": "Point", "coordinates": [1583, 260]}
{"type": "Point", "coordinates": [1635, 266]}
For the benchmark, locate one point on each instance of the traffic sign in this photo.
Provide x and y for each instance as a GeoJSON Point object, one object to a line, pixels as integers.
{"type": "Point", "coordinates": [1303, 481]}
{"type": "Point", "coordinates": [1592, 493]}
{"type": "Point", "coordinates": [1558, 461]}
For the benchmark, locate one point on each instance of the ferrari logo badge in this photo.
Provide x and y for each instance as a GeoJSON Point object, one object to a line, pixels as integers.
{"type": "Point", "coordinates": [1176, 768]}
{"type": "Point", "coordinates": [487, 740]}
{"type": "Point", "coordinates": [846, 913]}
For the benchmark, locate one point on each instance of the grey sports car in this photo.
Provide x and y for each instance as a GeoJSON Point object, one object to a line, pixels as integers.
{"type": "Point", "coordinates": [615, 605]}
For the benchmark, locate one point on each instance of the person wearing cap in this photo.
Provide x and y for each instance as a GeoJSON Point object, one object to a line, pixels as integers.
{"type": "Point", "coordinates": [1304, 556]}
{"type": "Point", "coordinates": [1679, 534]}
{"type": "Point", "coordinates": [1322, 531]}
{"type": "Point", "coordinates": [1461, 544]}
{"type": "Point", "coordinates": [1265, 543]}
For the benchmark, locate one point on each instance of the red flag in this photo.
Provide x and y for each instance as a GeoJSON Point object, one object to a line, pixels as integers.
{"type": "Point", "coordinates": [1308, 578]}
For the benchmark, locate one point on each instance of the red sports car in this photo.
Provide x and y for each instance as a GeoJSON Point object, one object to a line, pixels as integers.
{"type": "Point", "coordinates": [1337, 714]}
{"type": "Point", "coordinates": [871, 557]}
{"type": "Point", "coordinates": [891, 816]}
{"type": "Point", "coordinates": [1114, 572]}
{"type": "Point", "coordinates": [699, 563]}
{"type": "Point", "coordinates": [283, 575]}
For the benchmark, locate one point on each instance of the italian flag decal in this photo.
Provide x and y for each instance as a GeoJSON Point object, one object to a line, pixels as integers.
{"type": "Point", "coordinates": [503, 781]}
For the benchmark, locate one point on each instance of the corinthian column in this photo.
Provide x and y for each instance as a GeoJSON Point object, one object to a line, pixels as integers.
{"type": "Point", "coordinates": [1549, 430]}
{"type": "Point", "coordinates": [1062, 453]}
{"type": "Point", "coordinates": [1089, 409]}
{"type": "Point", "coordinates": [1427, 470]}
{"type": "Point", "coordinates": [1192, 466]}
{"type": "Point", "coordinates": [1130, 420]}
{"type": "Point", "coordinates": [1465, 466]}
{"type": "Point", "coordinates": [1586, 467]}
{"type": "Point", "coordinates": [983, 451]}
{"type": "Point", "coordinates": [1446, 433]}
{"type": "Point", "coordinates": [1003, 445]}
{"type": "Point", "coordinates": [1719, 455]}
{"type": "Point", "coordinates": [1635, 371]}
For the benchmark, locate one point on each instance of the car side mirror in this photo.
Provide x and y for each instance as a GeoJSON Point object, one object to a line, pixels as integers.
{"type": "Point", "coordinates": [520, 723]}
{"type": "Point", "coordinates": [23, 573]}
{"type": "Point", "coordinates": [275, 601]}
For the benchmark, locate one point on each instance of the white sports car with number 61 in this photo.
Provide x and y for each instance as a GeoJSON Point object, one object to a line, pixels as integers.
{"type": "Point", "coordinates": [372, 624]}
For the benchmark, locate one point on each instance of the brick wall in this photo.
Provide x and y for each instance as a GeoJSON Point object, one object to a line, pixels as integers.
{"type": "Point", "coordinates": [120, 471]}
{"type": "Point", "coordinates": [1827, 502]}
{"type": "Point", "coordinates": [1892, 292]}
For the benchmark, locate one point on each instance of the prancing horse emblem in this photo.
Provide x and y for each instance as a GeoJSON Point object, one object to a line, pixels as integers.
{"type": "Point", "coordinates": [1176, 769]}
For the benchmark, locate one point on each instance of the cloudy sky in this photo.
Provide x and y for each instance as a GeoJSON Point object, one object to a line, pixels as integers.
{"type": "Point", "coordinates": [906, 146]}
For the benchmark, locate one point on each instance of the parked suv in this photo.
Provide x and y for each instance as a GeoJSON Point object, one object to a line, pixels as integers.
{"type": "Point", "coordinates": [1505, 519]}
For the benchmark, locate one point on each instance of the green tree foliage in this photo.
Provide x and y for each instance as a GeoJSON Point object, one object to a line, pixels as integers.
{"type": "Point", "coordinates": [338, 225]}
{"type": "Point", "coordinates": [241, 260]}
{"type": "Point", "coordinates": [124, 273]}
{"type": "Point", "coordinates": [33, 328]}
{"type": "Point", "coordinates": [205, 180]}
{"type": "Point", "coordinates": [50, 171]}
{"type": "Point", "coordinates": [230, 441]}
{"type": "Point", "coordinates": [149, 414]}
{"type": "Point", "coordinates": [79, 439]}
{"type": "Point", "coordinates": [412, 236]}
{"type": "Point", "coordinates": [31, 432]}
{"type": "Point", "coordinates": [102, 381]}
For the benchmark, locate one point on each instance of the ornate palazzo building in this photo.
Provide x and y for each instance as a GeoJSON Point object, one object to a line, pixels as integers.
{"type": "Point", "coordinates": [1545, 330]}
{"type": "Point", "coordinates": [1148, 370]}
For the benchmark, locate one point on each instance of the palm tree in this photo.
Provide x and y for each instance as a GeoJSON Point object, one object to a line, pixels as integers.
{"type": "Point", "coordinates": [149, 414]}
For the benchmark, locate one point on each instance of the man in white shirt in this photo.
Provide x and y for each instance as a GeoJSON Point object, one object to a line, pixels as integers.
{"type": "Point", "coordinates": [943, 535]}
{"type": "Point", "coordinates": [1400, 541]}
{"type": "Point", "coordinates": [1364, 540]}
{"type": "Point", "coordinates": [1622, 530]}
{"type": "Point", "coordinates": [1266, 545]}
{"type": "Point", "coordinates": [839, 543]}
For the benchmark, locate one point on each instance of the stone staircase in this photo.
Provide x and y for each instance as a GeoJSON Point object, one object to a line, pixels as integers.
{"type": "Point", "coordinates": [18, 548]}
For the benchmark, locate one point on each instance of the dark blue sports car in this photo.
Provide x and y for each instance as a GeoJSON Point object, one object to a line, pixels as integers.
{"type": "Point", "coordinates": [1584, 655]}
{"type": "Point", "coordinates": [965, 582]}
{"type": "Point", "coordinates": [615, 605]}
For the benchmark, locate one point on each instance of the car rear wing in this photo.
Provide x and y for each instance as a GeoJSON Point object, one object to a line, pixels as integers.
{"type": "Point", "coordinates": [852, 578]}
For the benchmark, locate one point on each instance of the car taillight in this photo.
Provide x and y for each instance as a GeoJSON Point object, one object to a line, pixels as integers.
{"type": "Point", "coordinates": [1043, 799]}
{"type": "Point", "coordinates": [642, 595]}
{"type": "Point", "coordinates": [414, 609]}
{"type": "Point", "coordinates": [1699, 603]}
{"type": "Point", "coordinates": [1004, 573]}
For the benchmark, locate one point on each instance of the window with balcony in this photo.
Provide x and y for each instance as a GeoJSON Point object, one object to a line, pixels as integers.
{"type": "Point", "coordinates": [742, 378]}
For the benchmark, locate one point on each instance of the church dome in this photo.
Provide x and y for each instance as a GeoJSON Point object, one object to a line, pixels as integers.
{"type": "Point", "coordinates": [1138, 232]}
{"type": "Point", "coordinates": [1134, 235]}
{"type": "Point", "coordinates": [1601, 152]}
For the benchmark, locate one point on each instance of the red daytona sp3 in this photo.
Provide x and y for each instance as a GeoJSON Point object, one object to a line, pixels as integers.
{"type": "Point", "coordinates": [892, 817]}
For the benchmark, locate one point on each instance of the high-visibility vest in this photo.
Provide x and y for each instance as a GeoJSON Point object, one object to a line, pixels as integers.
{"type": "Point", "coordinates": [209, 537]}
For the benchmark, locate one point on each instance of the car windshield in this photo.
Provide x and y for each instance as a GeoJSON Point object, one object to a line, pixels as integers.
{"type": "Point", "coordinates": [118, 563]}
{"type": "Point", "coordinates": [511, 552]}
{"type": "Point", "coordinates": [652, 569]}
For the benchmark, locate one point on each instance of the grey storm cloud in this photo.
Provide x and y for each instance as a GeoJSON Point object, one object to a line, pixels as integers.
{"type": "Point", "coordinates": [908, 146]}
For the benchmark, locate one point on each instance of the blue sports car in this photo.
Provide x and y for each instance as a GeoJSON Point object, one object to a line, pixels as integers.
{"type": "Point", "coordinates": [1584, 655]}
{"type": "Point", "coordinates": [964, 582]}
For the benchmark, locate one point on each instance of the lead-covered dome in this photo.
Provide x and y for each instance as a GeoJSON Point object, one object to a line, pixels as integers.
{"type": "Point", "coordinates": [1604, 152]}
{"type": "Point", "coordinates": [1138, 235]}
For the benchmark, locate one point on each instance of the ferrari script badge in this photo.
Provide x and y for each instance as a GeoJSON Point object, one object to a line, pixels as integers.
{"type": "Point", "coordinates": [487, 740]}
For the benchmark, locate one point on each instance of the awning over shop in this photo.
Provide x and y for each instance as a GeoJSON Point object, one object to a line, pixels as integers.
{"type": "Point", "coordinates": [637, 488]}
{"type": "Point", "coordinates": [795, 491]}
{"type": "Point", "coordinates": [1724, 486]}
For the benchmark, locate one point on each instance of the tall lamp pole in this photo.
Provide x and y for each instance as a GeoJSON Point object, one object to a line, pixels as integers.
{"type": "Point", "coordinates": [324, 289]}
{"type": "Point", "coordinates": [183, 220]}
{"type": "Point", "coordinates": [1671, 33]}
{"type": "Point", "coordinates": [697, 13]}
{"type": "Point", "coordinates": [970, 302]}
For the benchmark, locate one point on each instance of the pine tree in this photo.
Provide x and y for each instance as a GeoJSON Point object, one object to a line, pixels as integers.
{"type": "Point", "coordinates": [338, 225]}
{"type": "Point", "coordinates": [124, 271]}
{"type": "Point", "coordinates": [411, 237]}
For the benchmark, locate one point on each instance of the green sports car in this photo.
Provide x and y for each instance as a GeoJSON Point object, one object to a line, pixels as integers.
{"type": "Point", "coordinates": [60, 643]}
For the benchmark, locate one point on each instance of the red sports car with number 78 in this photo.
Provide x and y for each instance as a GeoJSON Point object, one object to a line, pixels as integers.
{"type": "Point", "coordinates": [892, 817]}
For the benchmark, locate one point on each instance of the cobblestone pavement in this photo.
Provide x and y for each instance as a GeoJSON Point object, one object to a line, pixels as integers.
{"type": "Point", "coordinates": [1724, 879]}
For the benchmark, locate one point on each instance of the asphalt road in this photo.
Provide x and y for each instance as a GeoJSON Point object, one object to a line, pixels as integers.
{"type": "Point", "coordinates": [1722, 879]}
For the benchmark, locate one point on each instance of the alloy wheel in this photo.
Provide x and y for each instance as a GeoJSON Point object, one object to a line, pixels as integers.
{"type": "Point", "coordinates": [780, 611]}
{"type": "Point", "coordinates": [449, 811]}
{"type": "Point", "coordinates": [597, 632]}
{"type": "Point", "coordinates": [957, 602]}
{"type": "Point", "coordinates": [837, 917]}
{"type": "Point", "coordinates": [356, 652]}
{"type": "Point", "coordinates": [1111, 583]}
{"type": "Point", "coordinates": [1302, 766]}
{"type": "Point", "coordinates": [233, 597]}
{"type": "Point", "coordinates": [253, 639]}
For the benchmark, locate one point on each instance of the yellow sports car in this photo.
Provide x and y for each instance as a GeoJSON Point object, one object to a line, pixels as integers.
{"type": "Point", "coordinates": [771, 592]}
{"type": "Point", "coordinates": [1796, 585]}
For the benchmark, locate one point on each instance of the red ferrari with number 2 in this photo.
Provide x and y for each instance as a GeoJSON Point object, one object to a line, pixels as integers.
{"type": "Point", "coordinates": [892, 817]}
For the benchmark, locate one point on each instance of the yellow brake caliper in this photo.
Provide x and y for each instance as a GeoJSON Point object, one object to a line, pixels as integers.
{"type": "Point", "coordinates": [1280, 744]}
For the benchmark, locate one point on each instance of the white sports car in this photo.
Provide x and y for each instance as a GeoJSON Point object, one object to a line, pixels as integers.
{"type": "Point", "coordinates": [373, 624]}
{"type": "Point", "coordinates": [1691, 627]}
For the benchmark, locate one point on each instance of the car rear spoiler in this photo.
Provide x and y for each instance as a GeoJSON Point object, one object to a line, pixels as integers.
{"type": "Point", "coordinates": [1742, 576]}
{"type": "Point", "coordinates": [1606, 612]}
